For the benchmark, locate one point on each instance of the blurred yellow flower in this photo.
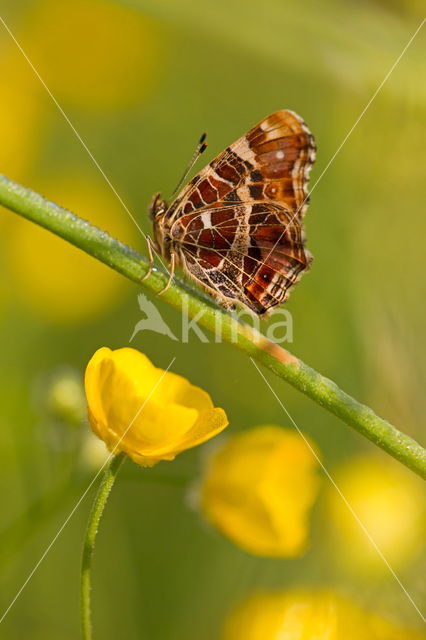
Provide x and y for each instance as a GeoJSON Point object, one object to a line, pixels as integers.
{"type": "Point", "coordinates": [92, 53]}
{"type": "Point", "coordinates": [300, 615]}
{"type": "Point", "coordinates": [148, 413]}
{"type": "Point", "coordinates": [62, 395]}
{"type": "Point", "coordinates": [21, 111]}
{"type": "Point", "coordinates": [389, 501]}
{"type": "Point", "coordinates": [257, 490]}
{"type": "Point", "coordinates": [61, 283]}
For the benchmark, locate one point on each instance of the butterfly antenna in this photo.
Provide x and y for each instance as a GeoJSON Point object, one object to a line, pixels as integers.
{"type": "Point", "coordinates": [199, 149]}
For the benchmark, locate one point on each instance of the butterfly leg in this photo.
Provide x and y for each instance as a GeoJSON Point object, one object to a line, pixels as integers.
{"type": "Point", "coordinates": [225, 303]}
{"type": "Point", "coordinates": [172, 273]}
{"type": "Point", "coordinates": [151, 249]}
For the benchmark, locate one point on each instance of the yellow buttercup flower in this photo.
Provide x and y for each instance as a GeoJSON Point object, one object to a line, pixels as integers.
{"type": "Point", "coordinates": [304, 615]}
{"type": "Point", "coordinates": [258, 489]}
{"type": "Point", "coordinates": [389, 501]}
{"type": "Point", "coordinates": [148, 413]}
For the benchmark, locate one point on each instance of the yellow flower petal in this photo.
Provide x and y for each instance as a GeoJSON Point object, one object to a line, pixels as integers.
{"type": "Point", "coordinates": [379, 491]}
{"type": "Point", "coordinates": [259, 488]}
{"type": "Point", "coordinates": [91, 383]}
{"type": "Point", "coordinates": [304, 615]}
{"type": "Point", "coordinates": [149, 413]}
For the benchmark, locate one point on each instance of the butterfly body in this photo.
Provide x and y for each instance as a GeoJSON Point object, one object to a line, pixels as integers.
{"type": "Point", "coordinates": [236, 228]}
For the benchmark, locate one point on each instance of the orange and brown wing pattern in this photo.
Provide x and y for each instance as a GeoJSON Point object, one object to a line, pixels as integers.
{"type": "Point", "coordinates": [237, 226]}
{"type": "Point", "coordinates": [282, 149]}
{"type": "Point", "coordinates": [253, 253]}
{"type": "Point", "coordinates": [271, 162]}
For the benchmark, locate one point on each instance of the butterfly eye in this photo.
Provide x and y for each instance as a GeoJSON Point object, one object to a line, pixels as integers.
{"type": "Point", "coordinates": [157, 206]}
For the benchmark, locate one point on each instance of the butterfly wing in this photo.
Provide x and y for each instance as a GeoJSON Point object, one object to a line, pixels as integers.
{"type": "Point", "coordinates": [271, 162]}
{"type": "Point", "coordinates": [240, 252]}
{"type": "Point", "coordinates": [237, 224]}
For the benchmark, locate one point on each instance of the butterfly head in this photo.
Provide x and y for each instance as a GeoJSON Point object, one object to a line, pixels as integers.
{"type": "Point", "coordinates": [157, 207]}
{"type": "Point", "coordinates": [157, 212]}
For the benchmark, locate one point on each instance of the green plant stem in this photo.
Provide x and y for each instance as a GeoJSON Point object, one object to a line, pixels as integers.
{"type": "Point", "coordinates": [198, 306]}
{"type": "Point", "coordinates": [96, 512]}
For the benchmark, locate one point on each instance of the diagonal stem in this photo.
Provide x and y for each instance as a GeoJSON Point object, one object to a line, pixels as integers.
{"type": "Point", "coordinates": [132, 265]}
{"type": "Point", "coordinates": [96, 512]}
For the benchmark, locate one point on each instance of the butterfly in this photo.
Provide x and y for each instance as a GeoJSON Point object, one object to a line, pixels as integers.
{"type": "Point", "coordinates": [236, 227]}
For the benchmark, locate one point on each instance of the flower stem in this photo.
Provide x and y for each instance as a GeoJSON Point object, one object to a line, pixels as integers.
{"type": "Point", "coordinates": [96, 512]}
{"type": "Point", "coordinates": [196, 305]}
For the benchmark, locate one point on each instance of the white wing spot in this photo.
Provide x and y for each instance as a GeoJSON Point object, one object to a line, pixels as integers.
{"type": "Point", "coordinates": [206, 219]}
{"type": "Point", "coordinates": [279, 155]}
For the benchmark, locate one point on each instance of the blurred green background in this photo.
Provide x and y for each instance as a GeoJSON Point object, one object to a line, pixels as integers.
{"type": "Point", "coordinates": [140, 80]}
